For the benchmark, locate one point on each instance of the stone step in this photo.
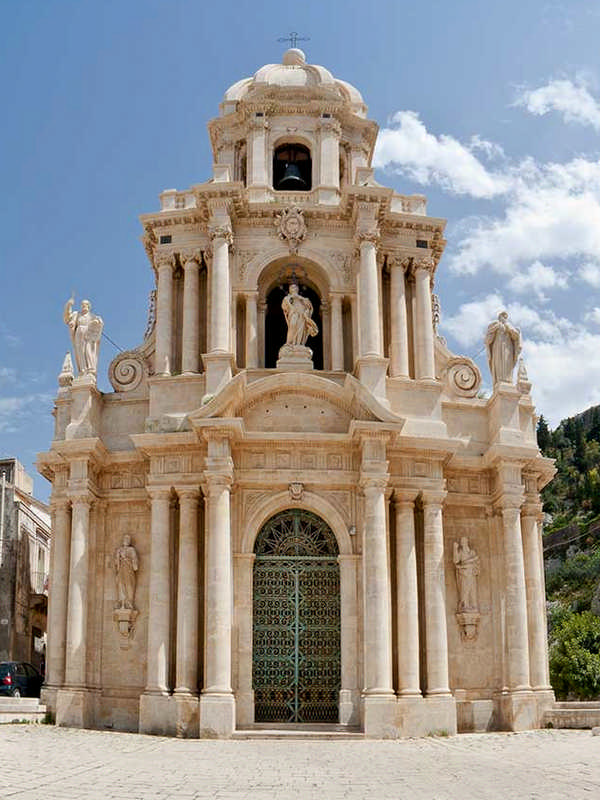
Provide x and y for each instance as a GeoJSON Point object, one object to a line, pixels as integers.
{"type": "Point", "coordinates": [18, 709]}
{"type": "Point", "coordinates": [307, 731]}
{"type": "Point", "coordinates": [573, 715]}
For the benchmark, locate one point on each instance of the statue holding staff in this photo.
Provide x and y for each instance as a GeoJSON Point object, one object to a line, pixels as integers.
{"type": "Point", "coordinates": [85, 329]}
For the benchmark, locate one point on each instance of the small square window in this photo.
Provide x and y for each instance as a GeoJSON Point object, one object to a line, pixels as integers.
{"type": "Point", "coordinates": [422, 243]}
{"type": "Point", "coordinates": [166, 239]}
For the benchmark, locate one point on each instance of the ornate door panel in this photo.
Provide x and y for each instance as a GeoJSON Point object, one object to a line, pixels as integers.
{"type": "Point", "coordinates": [296, 644]}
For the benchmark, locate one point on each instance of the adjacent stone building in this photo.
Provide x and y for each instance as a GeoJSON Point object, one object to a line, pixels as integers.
{"type": "Point", "coordinates": [296, 506]}
{"type": "Point", "coordinates": [24, 566]}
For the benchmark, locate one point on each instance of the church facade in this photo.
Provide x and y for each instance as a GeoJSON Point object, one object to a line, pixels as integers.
{"type": "Point", "coordinates": [296, 506]}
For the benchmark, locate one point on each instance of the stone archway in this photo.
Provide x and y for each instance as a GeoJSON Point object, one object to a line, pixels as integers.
{"type": "Point", "coordinates": [296, 669]}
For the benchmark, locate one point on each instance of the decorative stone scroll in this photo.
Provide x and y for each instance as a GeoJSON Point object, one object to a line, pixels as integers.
{"type": "Point", "coordinates": [291, 227]}
{"type": "Point", "coordinates": [462, 376]}
{"type": "Point", "coordinates": [466, 564]}
{"type": "Point", "coordinates": [125, 565]}
{"type": "Point", "coordinates": [127, 371]}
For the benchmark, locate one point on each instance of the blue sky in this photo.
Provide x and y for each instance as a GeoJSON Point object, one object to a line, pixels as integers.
{"type": "Point", "coordinates": [491, 109]}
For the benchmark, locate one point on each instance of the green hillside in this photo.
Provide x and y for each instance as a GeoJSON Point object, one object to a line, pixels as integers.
{"type": "Point", "coordinates": [572, 553]}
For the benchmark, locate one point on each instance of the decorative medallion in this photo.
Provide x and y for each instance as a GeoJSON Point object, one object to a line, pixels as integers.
{"type": "Point", "coordinates": [291, 227]}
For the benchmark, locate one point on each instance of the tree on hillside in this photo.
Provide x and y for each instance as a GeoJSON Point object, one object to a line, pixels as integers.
{"type": "Point", "coordinates": [544, 437]}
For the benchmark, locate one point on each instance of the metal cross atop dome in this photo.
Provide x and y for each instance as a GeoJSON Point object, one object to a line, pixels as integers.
{"type": "Point", "coordinates": [293, 38]}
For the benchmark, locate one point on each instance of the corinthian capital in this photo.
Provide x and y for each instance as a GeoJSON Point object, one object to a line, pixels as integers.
{"type": "Point", "coordinates": [221, 232]}
{"type": "Point", "coordinates": [190, 254]}
{"type": "Point", "coordinates": [424, 262]}
{"type": "Point", "coordinates": [164, 260]}
{"type": "Point", "coordinates": [370, 235]}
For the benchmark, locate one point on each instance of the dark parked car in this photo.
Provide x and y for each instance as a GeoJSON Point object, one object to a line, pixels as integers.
{"type": "Point", "coordinates": [19, 679]}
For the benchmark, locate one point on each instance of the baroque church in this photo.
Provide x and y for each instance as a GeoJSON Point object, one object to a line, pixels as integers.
{"type": "Point", "coordinates": [296, 506]}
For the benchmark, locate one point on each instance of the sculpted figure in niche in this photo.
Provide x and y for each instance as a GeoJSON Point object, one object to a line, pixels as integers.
{"type": "Point", "coordinates": [126, 566]}
{"type": "Point", "coordinates": [85, 329]}
{"type": "Point", "coordinates": [503, 343]}
{"type": "Point", "coordinates": [466, 563]}
{"type": "Point", "coordinates": [298, 311]}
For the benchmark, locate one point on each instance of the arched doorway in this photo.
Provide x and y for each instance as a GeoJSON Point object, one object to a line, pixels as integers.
{"type": "Point", "coordinates": [296, 620]}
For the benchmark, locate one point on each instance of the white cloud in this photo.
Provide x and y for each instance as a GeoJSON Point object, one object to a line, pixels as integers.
{"type": "Point", "coordinates": [409, 148]}
{"type": "Point", "coordinates": [572, 100]}
{"type": "Point", "coordinates": [15, 411]}
{"type": "Point", "coordinates": [536, 278]}
{"type": "Point", "coordinates": [8, 375]}
{"type": "Point", "coordinates": [551, 212]}
{"type": "Point", "coordinates": [469, 324]}
{"type": "Point", "coordinates": [565, 374]}
{"type": "Point", "coordinates": [593, 315]}
{"type": "Point", "coordinates": [590, 273]}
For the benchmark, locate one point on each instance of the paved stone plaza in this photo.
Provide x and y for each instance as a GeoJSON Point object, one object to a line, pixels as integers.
{"type": "Point", "coordinates": [56, 763]}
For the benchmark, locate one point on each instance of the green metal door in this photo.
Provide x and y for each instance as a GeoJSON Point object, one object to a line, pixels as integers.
{"type": "Point", "coordinates": [296, 641]}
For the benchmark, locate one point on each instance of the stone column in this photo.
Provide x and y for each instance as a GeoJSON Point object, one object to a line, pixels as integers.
{"type": "Point", "coordinates": [407, 597]}
{"type": "Point", "coordinates": [251, 330]}
{"type": "Point", "coordinates": [220, 322]}
{"type": "Point", "coordinates": [330, 153]}
{"type": "Point", "coordinates": [326, 325]}
{"type": "Point", "coordinates": [349, 691]}
{"type": "Point", "coordinates": [190, 351]}
{"type": "Point", "coordinates": [423, 270]}
{"type": "Point", "coordinates": [370, 339]}
{"type": "Point", "coordinates": [164, 315]}
{"type": "Point", "coordinates": [377, 624]}
{"type": "Point", "coordinates": [436, 636]}
{"type": "Point", "coordinates": [262, 310]}
{"type": "Point", "coordinates": [243, 583]}
{"type": "Point", "coordinates": [337, 335]}
{"type": "Point", "coordinates": [77, 607]}
{"type": "Point", "coordinates": [58, 595]}
{"type": "Point", "coordinates": [516, 597]}
{"type": "Point", "coordinates": [399, 325]}
{"type": "Point", "coordinates": [217, 705]}
{"type": "Point", "coordinates": [534, 590]}
{"type": "Point", "coordinates": [186, 668]}
{"type": "Point", "coordinates": [157, 661]}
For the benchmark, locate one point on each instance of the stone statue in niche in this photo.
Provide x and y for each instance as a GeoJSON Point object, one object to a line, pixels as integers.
{"type": "Point", "coordinates": [125, 565]}
{"type": "Point", "coordinates": [298, 312]}
{"type": "Point", "coordinates": [466, 564]}
{"type": "Point", "coordinates": [300, 325]}
{"type": "Point", "coordinates": [85, 329]}
{"type": "Point", "coordinates": [503, 344]}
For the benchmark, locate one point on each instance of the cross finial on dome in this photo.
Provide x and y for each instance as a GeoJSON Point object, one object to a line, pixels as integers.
{"type": "Point", "coordinates": [293, 38]}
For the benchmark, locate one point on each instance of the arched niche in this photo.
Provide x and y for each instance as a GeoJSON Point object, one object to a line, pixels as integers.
{"type": "Point", "coordinates": [273, 284]}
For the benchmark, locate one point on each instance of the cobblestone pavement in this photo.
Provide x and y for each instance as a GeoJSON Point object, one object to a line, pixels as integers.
{"type": "Point", "coordinates": [38, 762]}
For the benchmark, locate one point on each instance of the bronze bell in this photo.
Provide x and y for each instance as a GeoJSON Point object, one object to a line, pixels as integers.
{"type": "Point", "coordinates": [292, 179]}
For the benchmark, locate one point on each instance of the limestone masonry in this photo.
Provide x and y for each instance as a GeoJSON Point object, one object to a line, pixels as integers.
{"type": "Point", "coordinates": [295, 507]}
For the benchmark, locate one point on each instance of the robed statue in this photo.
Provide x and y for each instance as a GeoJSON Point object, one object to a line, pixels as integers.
{"type": "Point", "coordinates": [126, 566]}
{"type": "Point", "coordinates": [298, 312]}
{"type": "Point", "coordinates": [466, 563]}
{"type": "Point", "coordinates": [503, 344]}
{"type": "Point", "coordinates": [85, 329]}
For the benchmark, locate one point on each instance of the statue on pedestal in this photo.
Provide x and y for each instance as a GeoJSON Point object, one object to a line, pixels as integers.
{"type": "Point", "coordinates": [298, 312]}
{"type": "Point", "coordinates": [86, 330]}
{"type": "Point", "coordinates": [466, 564]}
{"type": "Point", "coordinates": [125, 565]}
{"type": "Point", "coordinates": [503, 344]}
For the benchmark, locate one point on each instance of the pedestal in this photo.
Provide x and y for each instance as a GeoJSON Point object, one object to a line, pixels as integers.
{"type": "Point", "coordinates": [158, 715]}
{"type": "Point", "coordinates": [85, 409]}
{"type": "Point", "coordinates": [518, 710]}
{"type": "Point", "coordinates": [219, 369]}
{"type": "Point", "coordinates": [371, 371]}
{"type": "Point", "coordinates": [76, 708]}
{"type": "Point", "coordinates": [217, 716]}
{"type": "Point", "coordinates": [295, 357]}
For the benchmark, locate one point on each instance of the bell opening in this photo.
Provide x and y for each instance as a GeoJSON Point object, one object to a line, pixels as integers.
{"type": "Point", "coordinates": [292, 168]}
